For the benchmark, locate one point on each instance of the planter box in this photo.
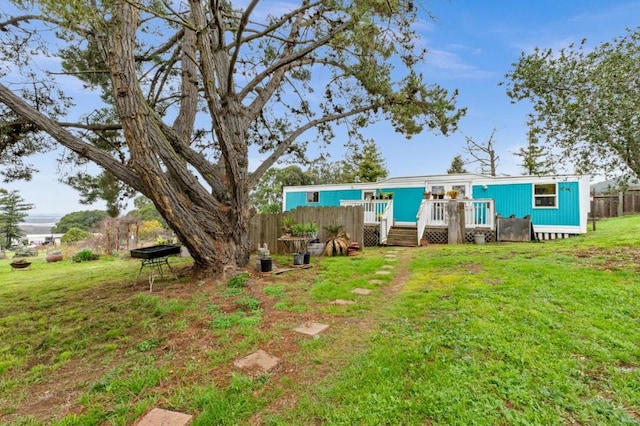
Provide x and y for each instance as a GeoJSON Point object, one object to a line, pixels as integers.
{"type": "Point", "coordinates": [315, 249]}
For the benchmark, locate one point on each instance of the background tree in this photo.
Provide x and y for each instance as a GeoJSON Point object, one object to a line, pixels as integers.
{"type": "Point", "coordinates": [535, 158]}
{"type": "Point", "coordinates": [363, 163]}
{"type": "Point", "coordinates": [145, 211]}
{"type": "Point", "coordinates": [483, 154]}
{"type": "Point", "coordinates": [74, 235]}
{"type": "Point", "coordinates": [267, 195]}
{"type": "Point", "coordinates": [457, 165]}
{"type": "Point", "coordinates": [13, 210]}
{"type": "Point", "coordinates": [586, 102]}
{"type": "Point", "coordinates": [85, 220]}
{"type": "Point", "coordinates": [161, 70]}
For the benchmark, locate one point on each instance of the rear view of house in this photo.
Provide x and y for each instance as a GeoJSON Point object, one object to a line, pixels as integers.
{"type": "Point", "coordinates": [557, 206]}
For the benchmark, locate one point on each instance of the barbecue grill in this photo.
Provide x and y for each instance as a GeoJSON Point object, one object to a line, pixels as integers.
{"type": "Point", "coordinates": [155, 256]}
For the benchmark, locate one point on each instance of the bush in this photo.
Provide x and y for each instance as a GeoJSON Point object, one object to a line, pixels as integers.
{"type": "Point", "coordinates": [26, 252]}
{"type": "Point", "coordinates": [238, 280]}
{"type": "Point", "coordinates": [84, 255]}
{"type": "Point", "coordinates": [74, 235]}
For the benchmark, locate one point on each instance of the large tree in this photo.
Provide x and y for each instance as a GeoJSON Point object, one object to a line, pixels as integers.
{"type": "Point", "coordinates": [586, 102]}
{"type": "Point", "coordinates": [13, 210]}
{"type": "Point", "coordinates": [189, 89]}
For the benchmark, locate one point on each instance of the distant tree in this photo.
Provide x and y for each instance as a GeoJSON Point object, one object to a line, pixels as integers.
{"type": "Point", "coordinates": [13, 210]}
{"type": "Point", "coordinates": [267, 196]}
{"type": "Point", "coordinates": [535, 158]}
{"type": "Point", "coordinates": [483, 154]}
{"type": "Point", "coordinates": [150, 229]}
{"type": "Point", "coordinates": [74, 235]}
{"type": "Point", "coordinates": [363, 163]}
{"type": "Point", "coordinates": [146, 211]}
{"type": "Point", "coordinates": [85, 219]}
{"type": "Point", "coordinates": [586, 102]}
{"type": "Point", "coordinates": [457, 165]}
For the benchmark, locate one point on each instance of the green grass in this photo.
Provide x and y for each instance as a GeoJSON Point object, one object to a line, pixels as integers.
{"type": "Point", "coordinates": [529, 333]}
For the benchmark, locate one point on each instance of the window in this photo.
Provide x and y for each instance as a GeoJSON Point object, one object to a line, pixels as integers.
{"type": "Point", "coordinates": [461, 190]}
{"type": "Point", "coordinates": [437, 189]}
{"type": "Point", "coordinates": [368, 195]}
{"type": "Point", "coordinates": [545, 195]}
{"type": "Point", "coordinates": [313, 197]}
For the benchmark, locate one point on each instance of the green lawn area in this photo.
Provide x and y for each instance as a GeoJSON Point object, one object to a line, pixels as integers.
{"type": "Point", "coordinates": [519, 333]}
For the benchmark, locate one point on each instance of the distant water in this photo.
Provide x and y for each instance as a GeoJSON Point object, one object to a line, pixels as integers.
{"type": "Point", "coordinates": [41, 220]}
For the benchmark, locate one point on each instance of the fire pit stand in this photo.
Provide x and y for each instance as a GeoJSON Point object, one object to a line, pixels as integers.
{"type": "Point", "coordinates": [155, 257]}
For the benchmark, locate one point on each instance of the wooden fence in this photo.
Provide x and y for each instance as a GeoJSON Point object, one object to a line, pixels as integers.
{"type": "Point", "coordinates": [615, 205]}
{"type": "Point", "coordinates": [267, 228]}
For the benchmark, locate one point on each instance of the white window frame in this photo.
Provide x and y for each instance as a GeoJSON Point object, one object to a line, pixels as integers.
{"type": "Point", "coordinates": [545, 196]}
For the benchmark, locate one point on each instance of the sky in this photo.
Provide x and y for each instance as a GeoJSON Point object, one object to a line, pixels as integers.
{"type": "Point", "coordinates": [471, 46]}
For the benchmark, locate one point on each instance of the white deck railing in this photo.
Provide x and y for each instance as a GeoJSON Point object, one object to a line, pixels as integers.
{"type": "Point", "coordinates": [376, 212]}
{"type": "Point", "coordinates": [477, 214]}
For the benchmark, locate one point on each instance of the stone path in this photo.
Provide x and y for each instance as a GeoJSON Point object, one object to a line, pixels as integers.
{"type": "Point", "coordinates": [259, 360]}
{"type": "Point", "coordinates": [361, 291]}
{"type": "Point", "coordinates": [160, 417]}
{"type": "Point", "coordinates": [312, 328]}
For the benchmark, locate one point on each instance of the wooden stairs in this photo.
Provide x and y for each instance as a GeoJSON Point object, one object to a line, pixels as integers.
{"type": "Point", "coordinates": [404, 236]}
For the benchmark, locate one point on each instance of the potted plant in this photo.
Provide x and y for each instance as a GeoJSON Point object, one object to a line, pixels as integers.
{"type": "Point", "coordinates": [427, 195]}
{"type": "Point", "coordinates": [265, 263]}
{"type": "Point", "coordinates": [287, 224]}
{"type": "Point", "coordinates": [440, 195]}
{"type": "Point", "coordinates": [453, 193]}
{"type": "Point", "coordinates": [54, 256]}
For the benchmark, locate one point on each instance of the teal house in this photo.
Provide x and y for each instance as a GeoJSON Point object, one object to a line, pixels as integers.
{"type": "Point", "coordinates": [557, 206]}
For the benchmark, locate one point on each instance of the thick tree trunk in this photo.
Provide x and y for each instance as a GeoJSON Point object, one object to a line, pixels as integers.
{"type": "Point", "coordinates": [212, 223]}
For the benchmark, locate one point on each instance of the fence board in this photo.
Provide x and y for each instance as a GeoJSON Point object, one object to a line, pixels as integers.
{"type": "Point", "coordinates": [604, 206]}
{"type": "Point", "coordinates": [267, 228]}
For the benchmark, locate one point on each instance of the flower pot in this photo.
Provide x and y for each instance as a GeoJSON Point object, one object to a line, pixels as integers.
{"type": "Point", "coordinates": [306, 259]}
{"type": "Point", "coordinates": [54, 258]}
{"type": "Point", "coordinates": [440, 196]}
{"type": "Point", "coordinates": [298, 258]}
{"type": "Point", "coordinates": [479, 238]}
{"type": "Point", "coordinates": [266, 265]}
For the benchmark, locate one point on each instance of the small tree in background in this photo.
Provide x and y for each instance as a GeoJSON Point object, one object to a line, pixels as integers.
{"type": "Point", "coordinates": [457, 166]}
{"type": "Point", "coordinates": [13, 210]}
{"type": "Point", "coordinates": [74, 235]}
{"type": "Point", "coordinates": [535, 158]}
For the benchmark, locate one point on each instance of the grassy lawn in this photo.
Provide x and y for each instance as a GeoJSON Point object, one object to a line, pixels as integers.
{"type": "Point", "coordinates": [529, 333]}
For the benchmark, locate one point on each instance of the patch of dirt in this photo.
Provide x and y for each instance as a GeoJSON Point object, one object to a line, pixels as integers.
{"type": "Point", "coordinates": [610, 260]}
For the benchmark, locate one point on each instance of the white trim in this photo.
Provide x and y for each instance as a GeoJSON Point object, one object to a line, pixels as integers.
{"type": "Point", "coordinates": [558, 229]}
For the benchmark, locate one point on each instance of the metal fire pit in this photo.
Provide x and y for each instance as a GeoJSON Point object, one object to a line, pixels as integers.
{"type": "Point", "coordinates": [155, 256]}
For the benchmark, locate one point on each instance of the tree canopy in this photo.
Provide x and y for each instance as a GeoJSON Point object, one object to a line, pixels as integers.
{"type": "Point", "coordinates": [185, 92]}
{"type": "Point", "coordinates": [84, 220]}
{"type": "Point", "coordinates": [536, 159]}
{"type": "Point", "coordinates": [586, 102]}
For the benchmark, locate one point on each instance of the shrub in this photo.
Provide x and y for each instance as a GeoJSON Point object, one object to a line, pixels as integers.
{"type": "Point", "coordinates": [238, 280]}
{"type": "Point", "coordinates": [74, 235]}
{"type": "Point", "coordinates": [25, 252]}
{"type": "Point", "coordinates": [85, 255]}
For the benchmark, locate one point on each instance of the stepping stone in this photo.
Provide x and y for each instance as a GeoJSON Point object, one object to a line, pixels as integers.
{"type": "Point", "coordinates": [259, 360]}
{"type": "Point", "coordinates": [388, 267]}
{"type": "Point", "coordinates": [342, 302]}
{"type": "Point", "coordinates": [362, 291]}
{"type": "Point", "coordinates": [376, 282]}
{"type": "Point", "coordinates": [160, 417]}
{"type": "Point", "coordinates": [383, 272]}
{"type": "Point", "coordinates": [312, 328]}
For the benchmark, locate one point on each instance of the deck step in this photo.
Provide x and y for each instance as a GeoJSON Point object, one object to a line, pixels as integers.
{"type": "Point", "coordinates": [403, 236]}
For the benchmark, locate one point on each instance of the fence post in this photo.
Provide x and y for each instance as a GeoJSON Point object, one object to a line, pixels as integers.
{"type": "Point", "coordinates": [456, 222]}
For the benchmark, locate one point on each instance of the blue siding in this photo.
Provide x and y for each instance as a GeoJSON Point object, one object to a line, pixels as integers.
{"type": "Point", "coordinates": [406, 202]}
{"type": "Point", "coordinates": [325, 198]}
{"type": "Point", "coordinates": [517, 199]}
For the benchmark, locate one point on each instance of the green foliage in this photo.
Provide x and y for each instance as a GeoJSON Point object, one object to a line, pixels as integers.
{"type": "Point", "coordinates": [536, 159]}
{"type": "Point", "coordinates": [13, 210]}
{"type": "Point", "coordinates": [238, 280]}
{"type": "Point", "coordinates": [267, 195]}
{"type": "Point", "coordinates": [86, 220]}
{"type": "Point", "coordinates": [84, 255]}
{"type": "Point", "coordinates": [74, 235]}
{"type": "Point", "coordinates": [145, 211]}
{"type": "Point", "coordinates": [249, 302]}
{"type": "Point", "coordinates": [585, 101]}
{"type": "Point", "coordinates": [457, 165]}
